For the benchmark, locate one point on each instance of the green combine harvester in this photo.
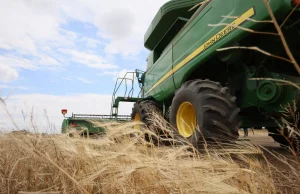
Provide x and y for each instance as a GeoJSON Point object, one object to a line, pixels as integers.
{"type": "Point", "coordinates": [192, 83]}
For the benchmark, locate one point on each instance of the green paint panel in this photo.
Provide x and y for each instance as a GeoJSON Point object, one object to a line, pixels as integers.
{"type": "Point", "coordinates": [82, 124]}
{"type": "Point", "coordinates": [183, 49]}
{"type": "Point", "coordinates": [284, 93]}
{"type": "Point", "coordinates": [196, 34]}
{"type": "Point", "coordinates": [164, 19]}
{"type": "Point", "coordinates": [161, 67]}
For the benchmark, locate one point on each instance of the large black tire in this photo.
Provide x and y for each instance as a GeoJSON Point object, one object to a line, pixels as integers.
{"type": "Point", "coordinates": [293, 143]}
{"type": "Point", "coordinates": [148, 111]}
{"type": "Point", "coordinates": [277, 137]}
{"type": "Point", "coordinates": [215, 111]}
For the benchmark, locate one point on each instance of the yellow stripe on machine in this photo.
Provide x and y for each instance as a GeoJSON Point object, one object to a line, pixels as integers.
{"type": "Point", "coordinates": [206, 45]}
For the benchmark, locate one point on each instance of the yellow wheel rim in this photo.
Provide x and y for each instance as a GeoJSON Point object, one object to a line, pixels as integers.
{"type": "Point", "coordinates": [137, 119]}
{"type": "Point", "coordinates": [186, 119]}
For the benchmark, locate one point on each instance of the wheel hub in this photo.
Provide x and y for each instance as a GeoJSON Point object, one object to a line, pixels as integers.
{"type": "Point", "coordinates": [137, 119]}
{"type": "Point", "coordinates": [186, 119]}
{"type": "Point", "coordinates": [267, 91]}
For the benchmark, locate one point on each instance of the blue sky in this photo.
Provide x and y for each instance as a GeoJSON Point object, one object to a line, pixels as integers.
{"type": "Point", "coordinates": [57, 54]}
{"type": "Point", "coordinates": [74, 71]}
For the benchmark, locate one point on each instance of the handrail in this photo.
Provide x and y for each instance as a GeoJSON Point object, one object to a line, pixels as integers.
{"type": "Point", "coordinates": [117, 87]}
{"type": "Point", "coordinates": [126, 79]}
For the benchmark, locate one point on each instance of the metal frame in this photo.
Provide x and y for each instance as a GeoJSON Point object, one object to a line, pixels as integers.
{"type": "Point", "coordinates": [97, 117]}
{"type": "Point", "coordinates": [119, 81]}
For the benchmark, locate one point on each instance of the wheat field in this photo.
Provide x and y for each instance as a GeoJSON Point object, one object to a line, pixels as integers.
{"type": "Point", "coordinates": [121, 161]}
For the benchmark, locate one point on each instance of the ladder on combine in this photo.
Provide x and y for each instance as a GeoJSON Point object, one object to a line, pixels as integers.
{"type": "Point", "coordinates": [129, 80]}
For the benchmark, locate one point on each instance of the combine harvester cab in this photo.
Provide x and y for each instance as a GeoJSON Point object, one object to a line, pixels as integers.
{"type": "Point", "coordinates": [214, 66]}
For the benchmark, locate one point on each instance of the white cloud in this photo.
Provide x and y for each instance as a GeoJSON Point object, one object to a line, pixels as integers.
{"type": "Point", "coordinates": [124, 24]}
{"type": "Point", "coordinates": [27, 26]}
{"type": "Point", "coordinates": [10, 65]}
{"type": "Point", "coordinates": [4, 86]}
{"type": "Point", "coordinates": [34, 29]}
{"type": "Point", "coordinates": [37, 22]}
{"type": "Point", "coordinates": [25, 22]}
{"type": "Point", "coordinates": [68, 78]}
{"type": "Point", "coordinates": [117, 16]}
{"type": "Point", "coordinates": [46, 60]}
{"type": "Point", "coordinates": [8, 74]}
{"type": "Point", "coordinates": [84, 80]}
{"type": "Point", "coordinates": [109, 73]}
{"type": "Point", "coordinates": [89, 59]}
{"type": "Point", "coordinates": [126, 47]}
{"type": "Point", "coordinates": [81, 103]}
{"type": "Point", "coordinates": [41, 20]}
{"type": "Point", "coordinates": [90, 42]}
{"type": "Point", "coordinates": [119, 74]}
{"type": "Point", "coordinates": [16, 62]}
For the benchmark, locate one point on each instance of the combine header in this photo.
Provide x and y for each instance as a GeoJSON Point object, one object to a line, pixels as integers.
{"type": "Point", "coordinates": [85, 121]}
{"type": "Point", "coordinates": [204, 62]}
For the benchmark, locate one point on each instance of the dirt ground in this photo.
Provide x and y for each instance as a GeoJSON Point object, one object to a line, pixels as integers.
{"type": "Point", "coordinates": [283, 175]}
{"type": "Point", "coordinates": [260, 137]}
